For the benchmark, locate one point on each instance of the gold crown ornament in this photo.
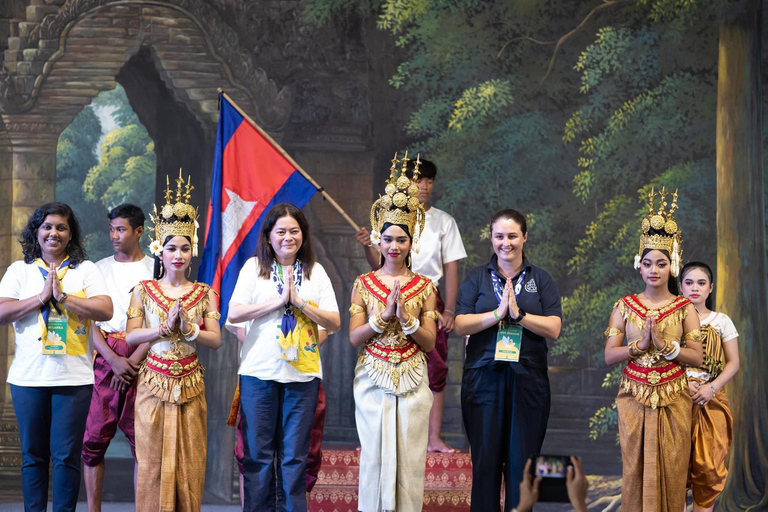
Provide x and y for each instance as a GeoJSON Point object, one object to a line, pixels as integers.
{"type": "Point", "coordinates": [185, 222]}
{"type": "Point", "coordinates": [400, 203]}
{"type": "Point", "coordinates": [668, 236]}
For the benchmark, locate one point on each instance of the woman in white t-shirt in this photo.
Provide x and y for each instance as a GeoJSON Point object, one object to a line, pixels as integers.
{"type": "Point", "coordinates": [282, 295]}
{"type": "Point", "coordinates": [51, 297]}
{"type": "Point", "coordinates": [712, 420]}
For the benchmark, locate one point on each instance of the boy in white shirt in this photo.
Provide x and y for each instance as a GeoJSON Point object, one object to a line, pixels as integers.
{"type": "Point", "coordinates": [115, 363]}
{"type": "Point", "coordinates": [440, 249]}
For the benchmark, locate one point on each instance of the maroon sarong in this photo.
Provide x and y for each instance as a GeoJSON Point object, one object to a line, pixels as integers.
{"type": "Point", "coordinates": [109, 408]}
{"type": "Point", "coordinates": [437, 368]}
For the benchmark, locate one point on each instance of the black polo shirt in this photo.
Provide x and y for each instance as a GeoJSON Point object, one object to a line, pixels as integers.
{"type": "Point", "coordinates": [538, 296]}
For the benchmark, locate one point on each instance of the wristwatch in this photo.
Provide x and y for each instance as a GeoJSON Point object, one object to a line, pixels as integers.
{"type": "Point", "coordinates": [520, 317]}
{"type": "Point", "coordinates": [63, 297]}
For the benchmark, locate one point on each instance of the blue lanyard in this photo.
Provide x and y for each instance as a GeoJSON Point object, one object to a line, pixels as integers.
{"type": "Point", "coordinates": [498, 288]}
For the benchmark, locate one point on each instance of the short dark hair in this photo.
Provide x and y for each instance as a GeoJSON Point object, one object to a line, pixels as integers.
{"type": "Point", "coordinates": [132, 213]}
{"type": "Point", "coordinates": [427, 169]}
{"type": "Point", "coordinates": [264, 252]}
{"type": "Point", "coordinates": [29, 244]}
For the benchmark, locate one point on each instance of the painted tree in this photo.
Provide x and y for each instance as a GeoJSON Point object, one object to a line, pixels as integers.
{"type": "Point", "coordinates": [75, 155]}
{"type": "Point", "coordinates": [741, 248]}
{"type": "Point", "coordinates": [125, 172]}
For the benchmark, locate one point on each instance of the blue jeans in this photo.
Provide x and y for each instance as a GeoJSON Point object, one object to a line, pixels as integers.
{"type": "Point", "coordinates": [277, 422]}
{"type": "Point", "coordinates": [51, 427]}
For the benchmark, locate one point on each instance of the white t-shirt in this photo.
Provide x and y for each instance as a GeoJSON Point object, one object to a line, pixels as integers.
{"type": "Point", "coordinates": [120, 278]}
{"type": "Point", "coordinates": [439, 244]}
{"type": "Point", "coordinates": [30, 367]}
{"type": "Point", "coordinates": [727, 332]}
{"type": "Point", "coordinates": [260, 353]}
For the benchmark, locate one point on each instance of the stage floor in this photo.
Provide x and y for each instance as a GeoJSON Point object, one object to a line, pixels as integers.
{"type": "Point", "coordinates": [448, 482]}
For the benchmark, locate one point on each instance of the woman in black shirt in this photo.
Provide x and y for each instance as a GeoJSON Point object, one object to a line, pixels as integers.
{"type": "Point", "coordinates": [508, 308]}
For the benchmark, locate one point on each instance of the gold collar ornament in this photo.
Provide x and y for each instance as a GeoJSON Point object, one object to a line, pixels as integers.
{"type": "Point", "coordinates": [175, 218]}
{"type": "Point", "coordinates": [667, 236]}
{"type": "Point", "coordinates": [400, 203]}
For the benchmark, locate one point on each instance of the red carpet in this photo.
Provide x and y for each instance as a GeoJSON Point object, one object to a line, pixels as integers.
{"type": "Point", "coordinates": [447, 487]}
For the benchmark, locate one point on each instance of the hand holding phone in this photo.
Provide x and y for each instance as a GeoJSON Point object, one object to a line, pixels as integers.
{"type": "Point", "coordinates": [553, 470]}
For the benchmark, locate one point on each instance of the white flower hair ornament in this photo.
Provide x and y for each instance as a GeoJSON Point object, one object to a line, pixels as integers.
{"type": "Point", "coordinates": [375, 237]}
{"type": "Point", "coordinates": [156, 248]}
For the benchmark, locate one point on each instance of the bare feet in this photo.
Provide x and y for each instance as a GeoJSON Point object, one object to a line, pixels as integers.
{"type": "Point", "coordinates": [439, 446]}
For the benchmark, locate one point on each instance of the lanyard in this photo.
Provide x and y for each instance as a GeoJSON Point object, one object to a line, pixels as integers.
{"type": "Point", "coordinates": [498, 288]}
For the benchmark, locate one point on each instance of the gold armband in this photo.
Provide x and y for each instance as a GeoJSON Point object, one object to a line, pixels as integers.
{"type": "Point", "coordinates": [134, 313]}
{"type": "Point", "coordinates": [213, 314]}
{"type": "Point", "coordinates": [694, 335]}
{"type": "Point", "coordinates": [356, 309]}
{"type": "Point", "coordinates": [434, 315]}
{"type": "Point", "coordinates": [612, 331]}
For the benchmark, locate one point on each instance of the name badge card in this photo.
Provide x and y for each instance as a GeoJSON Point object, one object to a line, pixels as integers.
{"type": "Point", "coordinates": [508, 341]}
{"type": "Point", "coordinates": [56, 341]}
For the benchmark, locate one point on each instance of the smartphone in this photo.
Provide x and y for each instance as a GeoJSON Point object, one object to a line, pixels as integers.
{"type": "Point", "coordinates": [552, 470]}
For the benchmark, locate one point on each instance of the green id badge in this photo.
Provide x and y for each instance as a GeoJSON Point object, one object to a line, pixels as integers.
{"type": "Point", "coordinates": [508, 341]}
{"type": "Point", "coordinates": [56, 341]}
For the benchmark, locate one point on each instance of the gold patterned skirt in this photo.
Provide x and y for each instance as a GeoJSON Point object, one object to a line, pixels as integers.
{"type": "Point", "coordinates": [171, 435]}
{"type": "Point", "coordinates": [654, 457]}
{"type": "Point", "coordinates": [712, 433]}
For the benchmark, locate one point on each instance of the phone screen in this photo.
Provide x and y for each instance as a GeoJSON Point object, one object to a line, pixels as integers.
{"type": "Point", "coordinates": [552, 469]}
{"type": "Point", "coordinates": [551, 466]}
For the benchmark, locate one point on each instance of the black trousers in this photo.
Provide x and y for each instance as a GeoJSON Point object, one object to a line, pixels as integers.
{"type": "Point", "coordinates": [505, 416]}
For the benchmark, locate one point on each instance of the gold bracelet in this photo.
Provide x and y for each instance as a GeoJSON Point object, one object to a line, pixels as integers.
{"type": "Point", "coordinates": [213, 314]}
{"type": "Point", "coordinates": [409, 324]}
{"type": "Point", "coordinates": [612, 331]}
{"type": "Point", "coordinates": [380, 322]}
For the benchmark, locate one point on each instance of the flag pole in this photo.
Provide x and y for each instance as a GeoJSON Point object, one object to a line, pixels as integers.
{"type": "Point", "coordinates": [293, 162]}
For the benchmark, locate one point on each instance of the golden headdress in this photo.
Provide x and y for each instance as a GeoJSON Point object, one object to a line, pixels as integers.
{"type": "Point", "coordinates": [667, 236]}
{"type": "Point", "coordinates": [175, 219]}
{"type": "Point", "coordinates": [400, 203]}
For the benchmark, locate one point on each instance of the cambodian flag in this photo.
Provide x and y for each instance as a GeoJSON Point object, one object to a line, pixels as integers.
{"type": "Point", "coordinates": [250, 175]}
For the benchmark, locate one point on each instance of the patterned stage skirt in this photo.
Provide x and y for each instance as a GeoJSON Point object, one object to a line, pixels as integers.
{"type": "Point", "coordinates": [171, 435]}
{"type": "Point", "coordinates": [393, 434]}
{"type": "Point", "coordinates": [654, 454]}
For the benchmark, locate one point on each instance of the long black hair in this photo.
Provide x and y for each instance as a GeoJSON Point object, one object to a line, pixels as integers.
{"type": "Point", "coordinates": [264, 251]}
{"type": "Point", "coordinates": [702, 266]}
{"type": "Point", "coordinates": [31, 247]}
